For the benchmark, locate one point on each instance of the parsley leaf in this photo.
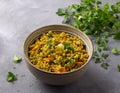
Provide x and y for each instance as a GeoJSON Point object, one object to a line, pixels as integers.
{"type": "Point", "coordinates": [67, 60]}
{"type": "Point", "coordinates": [116, 7]}
{"type": "Point", "coordinates": [17, 59]}
{"type": "Point", "coordinates": [11, 77]}
{"type": "Point", "coordinates": [105, 56]}
{"type": "Point", "coordinates": [104, 65]}
{"type": "Point", "coordinates": [116, 28]}
{"type": "Point", "coordinates": [97, 60]}
{"type": "Point", "coordinates": [118, 67]}
{"type": "Point", "coordinates": [67, 46]}
{"type": "Point", "coordinates": [115, 51]}
{"type": "Point", "coordinates": [61, 12]}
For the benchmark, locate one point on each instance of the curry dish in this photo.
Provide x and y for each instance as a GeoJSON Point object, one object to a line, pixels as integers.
{"type": "Point", "coordinates": [58, 52]}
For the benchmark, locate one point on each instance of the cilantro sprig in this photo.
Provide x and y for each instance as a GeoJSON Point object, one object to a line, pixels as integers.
{"type": "Point", "coordinates": [11, 77]}
{"type": "Point", "coordinates": [118, 67]}
{"type": "Point", "coordinates": [17, 59]}
{"type": "Point", "coordinates": [97, 20]}
{"type": "Point", "coordinates": [115, 51]}
{"type": "Point", "coordinates": [105, 65]}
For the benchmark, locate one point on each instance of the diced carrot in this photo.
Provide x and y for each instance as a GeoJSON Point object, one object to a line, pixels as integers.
{"type": "Point", "coordinates": [62, 69]}
{"type": "Point", "coordinates": [51, 59]}
{"type": "Point", "coordinates": [36, 47]}
{"type": "Point", "coordinates": [64, 38]}
{"type": "Point", "coordinates": [79, 63]}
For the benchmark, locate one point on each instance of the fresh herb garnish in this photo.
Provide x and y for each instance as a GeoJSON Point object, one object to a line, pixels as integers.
{"type": "Point", "coordinates": [11, 77]}
{"type": "Point", "coordinates": [17, 59]}
{"type": "Point", "coordinates": [116, 28]}
{"type": "Point", "coordinates": [118, 67]}
{"type": "Point", "coordinates": [67, 46]}
{"type": "Point", "coordinates": [115, 51]}
{"type": "Point", "coordinates": [105, 65]}
{"type": "Point", "coordinates": [67, 60]}
{"type": "Point", "coordinates": [61, 12]}
{"type": "Point", "coordinates": [50, 41]}
{"type": "Point", "coordinates": [97, 20]}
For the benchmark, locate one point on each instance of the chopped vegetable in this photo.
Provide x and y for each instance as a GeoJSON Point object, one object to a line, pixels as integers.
{"type": "Point", "coordinates": [62, 69]}
{"type": "Point", "coordinates": [67, 46]}
{"type": "Point", "coordinates": [67, 60]}
{"type": "Point", "coordinates": [36, 47]}
{"type": "Point", "coordinates": [79, 63]}
{"type": "Point", "coordinates": [11, 77]}
{"type": "Point", "coordinates": [50, 41]}
{"type": "Point", "coordinates": [17, 59]}
{"type": "Point", "coordinates": [50, 59]}
{"type": "Point", "coordinates": [115, 51]}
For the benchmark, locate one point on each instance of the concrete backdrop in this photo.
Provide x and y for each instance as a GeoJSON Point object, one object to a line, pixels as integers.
{"type": "Point", "coordinates": [18, 18]}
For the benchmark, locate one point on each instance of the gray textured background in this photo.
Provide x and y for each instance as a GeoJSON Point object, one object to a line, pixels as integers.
{"type": "Point", "coordinates": [18, 18]}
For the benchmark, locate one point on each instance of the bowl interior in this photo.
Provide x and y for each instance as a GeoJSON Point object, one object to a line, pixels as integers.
{"type": "Point", "coordinates": [58, 28]}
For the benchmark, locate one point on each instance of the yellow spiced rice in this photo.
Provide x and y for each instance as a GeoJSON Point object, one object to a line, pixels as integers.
{"type": "Point", "coordinates": [58, 52]}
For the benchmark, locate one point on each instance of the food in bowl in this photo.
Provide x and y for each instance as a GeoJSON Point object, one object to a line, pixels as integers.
{"type": "Point", "coordinates": [57, 78]}
{"type": "Point", "coordinates": [58, 52]}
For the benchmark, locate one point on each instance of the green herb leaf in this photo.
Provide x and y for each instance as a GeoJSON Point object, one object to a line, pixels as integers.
{"type": "Point", "coordinates": [118, 67]}
{"type": "Point", "coordinates": [97, 20]}
{"type": "Point", "coordinates": [11, 77]}
{"type": "Point", "coordinates": [104, 65]}
{"type": "Point", "coordinates": [117, 35]}
{"type": "Point", "coordinates": [97, 60]}
{"type": "Point", "coordinates": [61, 12]}
{"type": "Point", "coordinates": [116, 28]}
{"type": "Point", "coordinates": [115, 51]}
{"type": "Point", "coordinates": [95, 54]}
{"type": "Point", "coordinates": [17, 59]}
{"type": "Point", "coordinates": [67, 46]}
{"type": "Point", "coordinates": [88, 1]}
{"type": "Point", "coordinates": [116, 7]}
{"type": "Point", "coordinates": [105, 56]}
{"type": "Point", "coordinates": [50, 41]}
{"type": "Point", "coordinates": [67, 60]}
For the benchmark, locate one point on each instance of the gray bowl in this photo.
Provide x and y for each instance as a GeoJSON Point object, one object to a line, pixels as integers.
{"type": "Point", "coordinates": [51, 77]}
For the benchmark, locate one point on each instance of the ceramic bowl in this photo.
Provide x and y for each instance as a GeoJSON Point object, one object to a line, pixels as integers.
{"type": "Point", "coordinates": [51, 77]}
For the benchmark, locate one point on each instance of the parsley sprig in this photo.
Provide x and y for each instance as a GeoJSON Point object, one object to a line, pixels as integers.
{"type": "Point", "coordinates": [97, 20]}
{"type": "Point", "coordinates": [17, 59]}
{"type": "Point", "coordinates": [11, 77]}
{"type": "Point", "coordinates": [115, 51]}
{"type": "Point", "coordinates": [118, 67]}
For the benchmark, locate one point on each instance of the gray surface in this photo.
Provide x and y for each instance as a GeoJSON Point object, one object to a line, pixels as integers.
{"type": "Point", "coordinates": [18, 18]}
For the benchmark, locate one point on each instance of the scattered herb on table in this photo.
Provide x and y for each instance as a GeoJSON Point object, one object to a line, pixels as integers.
{"type": "Point", "coordinates": [11, 77]}
{"type": "Point", "coordinates": [97, 20]}
{"type": "Point", "coordinates": [118, 66]}
{"type": "Point", "coordinates": [105, 65]}
{"type": "Point", "coordinates": [17, 59]}
{"type": "Point", "coordinates": [115, 51]}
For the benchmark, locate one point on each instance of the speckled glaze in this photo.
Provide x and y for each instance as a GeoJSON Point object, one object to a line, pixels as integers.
{"type": "Point", "coordinates": [57, 78]}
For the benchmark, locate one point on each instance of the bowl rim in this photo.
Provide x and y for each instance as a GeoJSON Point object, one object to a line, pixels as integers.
{"type": "Point", "coordinates": [44, 71]}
